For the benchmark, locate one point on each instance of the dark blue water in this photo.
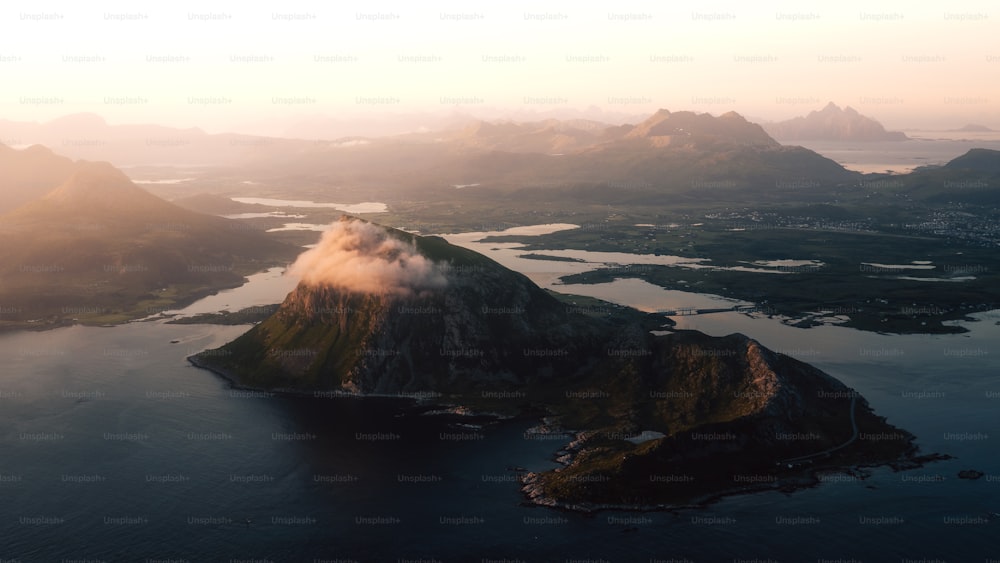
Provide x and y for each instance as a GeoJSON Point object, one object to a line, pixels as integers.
{"type": "Point", "coordinates": [113, 448]}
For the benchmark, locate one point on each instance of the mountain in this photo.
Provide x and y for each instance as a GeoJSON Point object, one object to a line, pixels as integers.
{"type": "Point", "coordinates": [549, 136]}
{"type": "Point", "coordinates": [670, 154]}
{"type": "Point", "coordinates": [470, 331]}
{"type": "Point", "coordinates": [980, 161]}
{"type": "Point", "coordinates": [101, 249]}
{"type": "Point", "coordinates": [972, 178]}
{"type": "Point", "coordinates": [29, 173]}
{"type": "Point", "coordinates": [974, 128]}
{"type": "Point", "coordinates": [88, 136]}
{"type": "Point", "coordinates": [832, 124]}
{"type": "Point", "coordinates": [686, 128]}
{"type": "Point", "coordinates": [387, 312]}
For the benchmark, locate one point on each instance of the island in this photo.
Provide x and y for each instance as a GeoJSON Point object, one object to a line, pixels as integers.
{"type": "Point", "coordinates": [654, 417]}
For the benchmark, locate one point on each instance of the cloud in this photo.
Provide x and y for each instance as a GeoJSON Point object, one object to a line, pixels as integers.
{"type": "Point", "coordinates": [362, 257]}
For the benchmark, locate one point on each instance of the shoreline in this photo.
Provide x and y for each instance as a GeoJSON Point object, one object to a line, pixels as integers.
{"type": "Point", "coordinates": [531, 483]}
{"type": "Point", "coordinates": [53, 323]}
{"type": "Point", "coordinates": [421, 400]}
{"type": "Point", "coordinates": [532, 490]}
{"type": "Point", "coordinates": [234, 383]}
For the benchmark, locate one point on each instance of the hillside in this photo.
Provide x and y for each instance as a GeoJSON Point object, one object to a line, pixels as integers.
{"type": "Point", "coordinates": [972, 178]}
{"type": "Point", "coordinates": [98, 248]}
{"type": "Point", "coordinates": [28, 174]}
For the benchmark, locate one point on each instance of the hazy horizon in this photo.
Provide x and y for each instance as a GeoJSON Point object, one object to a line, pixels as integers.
{"type": "Point", "coordinates": [258, 70]}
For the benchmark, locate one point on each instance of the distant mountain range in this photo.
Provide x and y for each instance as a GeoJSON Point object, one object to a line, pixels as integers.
{"type": "Point", "coordinates": [98, 248]}
{"type": "Point", "coordinates": [974, 128]}
{"type": "Point", "coordinates": [87, 136]}
{"type": "Point", "coordinates": [668, 154]}
{"type": "Point", "coordinates": [832, 124]}
{"type": "Point", "coordinates": [668, 157]}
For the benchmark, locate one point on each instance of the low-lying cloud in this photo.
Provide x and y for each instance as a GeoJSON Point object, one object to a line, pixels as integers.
{"type": "Point", "coordinates": [362, 257]}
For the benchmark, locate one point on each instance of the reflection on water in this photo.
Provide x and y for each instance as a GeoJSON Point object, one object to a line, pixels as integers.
{"type": "Point", "coordinates": [924, 148]}
{"type": "Point", "coordinates": [299, 227]}
{"type": "Point", "coordinates": [271, 214]}
{"type": "Point", "coordinates": [364, 207]}
{"type": "Point", "coordinates": [645, 296]}
{"type": "Point", "coordinates": [264, 288]}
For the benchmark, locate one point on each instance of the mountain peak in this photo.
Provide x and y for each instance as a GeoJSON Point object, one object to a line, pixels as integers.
{"type": "Point", "coordinates": [687, 127]}
{"type": "Point", "coordinates": [833, 123]}
{"type": "Point", "coordinates": [101, 190]}
{"type": "Point", "coordinates": [93, 180]}
{"type": "Point", "coordinates": [983, 161]}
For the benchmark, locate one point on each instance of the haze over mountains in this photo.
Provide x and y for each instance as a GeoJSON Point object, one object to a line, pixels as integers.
{"type": "Point", "coordinates": [96, 246]}
{"type": "Point", "coordinates": [29, 173]}
{"type": "Point", "coordinates": [974, 128]}
{"type": "Point", "coordinates": [669, 152]}
{"type": "Point", "coordinates": [832, 124]}
{"type": "Point", "coordinates": [88, 136]}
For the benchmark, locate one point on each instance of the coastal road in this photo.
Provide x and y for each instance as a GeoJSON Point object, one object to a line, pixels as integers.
{"type": "Point", "coordinates": [854, 436]}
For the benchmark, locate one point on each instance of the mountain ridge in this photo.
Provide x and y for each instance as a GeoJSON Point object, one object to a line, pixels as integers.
{"type": "Point", "coordinates": [834, 124]}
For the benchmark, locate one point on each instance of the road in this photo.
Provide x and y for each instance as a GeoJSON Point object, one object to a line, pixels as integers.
{"type": "Point", "coordinates": [854, 436]}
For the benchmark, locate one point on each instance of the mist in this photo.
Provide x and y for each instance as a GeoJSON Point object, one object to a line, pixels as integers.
{"type": "Point", "coordinates": [361, 257]}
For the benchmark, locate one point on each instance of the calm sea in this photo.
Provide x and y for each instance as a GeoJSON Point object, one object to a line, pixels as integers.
{"type": "Point", "coordinates": [113, 448]}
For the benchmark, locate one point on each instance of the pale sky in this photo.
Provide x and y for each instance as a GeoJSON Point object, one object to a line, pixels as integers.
{"type": "Point", "coordinates": [253, 67]}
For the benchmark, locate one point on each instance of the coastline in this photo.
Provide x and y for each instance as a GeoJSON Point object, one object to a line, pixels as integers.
{"type": "Point", "coordinates": [532, 489]}
{"type": "Point", "coordinates": [235, 383]}
{"type": "Point", "coordinates": [424, 400]}
{"type": "Point", "coordinates": [531, 483]}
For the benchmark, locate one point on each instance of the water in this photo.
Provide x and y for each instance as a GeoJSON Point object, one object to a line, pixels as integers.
{"type": "Point", "coordinates": [546, 273]}
{"type": "Point", "coordinates": [300, 227]}
{"type": "Point", "coordinates": [364, 207]}
{"type": "Point", "coordinates": [164, 181]}
{"type": "Point", "coordinates": [111, 437]}
{"type": "Point", "coordinates": [262, 288]}
{"type": "Point", "coordinates": [269, 215]}
{"type": "Point", "coordinates": [924, 148]}
{"type": "Point", "coordinates": [647, 297]}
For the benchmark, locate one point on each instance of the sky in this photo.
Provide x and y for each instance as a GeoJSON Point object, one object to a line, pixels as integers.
{"type": "Point", "coordinates": [258, 67]}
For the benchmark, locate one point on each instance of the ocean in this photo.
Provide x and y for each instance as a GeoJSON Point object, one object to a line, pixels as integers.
{"type": "Point", "coordinates": [114, 448]}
